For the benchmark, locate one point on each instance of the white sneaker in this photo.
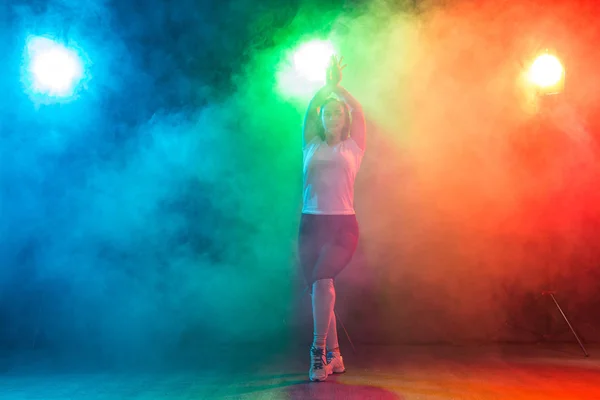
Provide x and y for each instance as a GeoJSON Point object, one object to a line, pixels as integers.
{"type": "Point", "coordinates": [318, 365]}
{"type": "Point", "coordinates": [335, 362]}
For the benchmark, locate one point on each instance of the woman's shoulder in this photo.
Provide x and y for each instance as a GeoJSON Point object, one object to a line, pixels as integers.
{"type": "Point", "coordinates": [315, 141]}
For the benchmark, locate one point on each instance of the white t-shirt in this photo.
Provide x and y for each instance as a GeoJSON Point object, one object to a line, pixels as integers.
{"type": "Point", "coordinates": [329, 175]}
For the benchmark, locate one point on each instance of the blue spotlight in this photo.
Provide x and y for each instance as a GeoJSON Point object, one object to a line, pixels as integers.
{"type": "Point", "coordinates": [53, 69]}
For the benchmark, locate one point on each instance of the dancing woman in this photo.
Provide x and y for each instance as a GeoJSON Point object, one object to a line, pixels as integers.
{"type": "Point", "coordinates": [333, 148]}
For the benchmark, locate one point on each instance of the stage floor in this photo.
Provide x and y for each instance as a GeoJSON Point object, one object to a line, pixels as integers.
{"type": "Point", "coordinates": [507, 372]}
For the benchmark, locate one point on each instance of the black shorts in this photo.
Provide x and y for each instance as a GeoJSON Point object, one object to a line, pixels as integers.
{"type": "Point", "coordinates": [326, 244]}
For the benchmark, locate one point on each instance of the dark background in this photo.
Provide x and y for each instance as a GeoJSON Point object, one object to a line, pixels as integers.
{"type": "Point", "coordinates": [157, 213]}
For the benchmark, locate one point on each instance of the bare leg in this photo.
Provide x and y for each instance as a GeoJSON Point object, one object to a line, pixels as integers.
{"type": "Point", "coordinates": [332, 260]}
{"type": "Point", "coordinates": [332, 337]}
{"type": "Point", "coordinates": [323, 299]}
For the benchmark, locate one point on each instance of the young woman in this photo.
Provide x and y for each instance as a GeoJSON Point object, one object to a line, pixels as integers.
{"type": "Point", "coordinates": [333, 148]}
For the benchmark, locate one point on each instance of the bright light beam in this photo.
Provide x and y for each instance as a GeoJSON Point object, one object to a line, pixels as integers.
{"type": "Point", "coordinates": [547, 73]}
{"type": "Point", "coordinates": [304, 69]}
{"type": "Point", "coordinates": [54, 70]}
{"type": "Point", "coordinates": [312, 59]}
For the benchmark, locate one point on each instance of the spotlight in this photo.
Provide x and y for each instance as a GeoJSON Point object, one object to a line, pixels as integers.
{"type": "Point", "coordinates": [303, 69]}
{"type": "Point", "coordinates": [547, 74]}
{"type": "Point", "coordinates": [312, 59]}
{"type": "Point", "coordinates": [54, 70]}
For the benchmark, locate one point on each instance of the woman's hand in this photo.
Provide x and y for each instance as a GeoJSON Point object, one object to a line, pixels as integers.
{"type": "Point", "coordinates": [334, 71]}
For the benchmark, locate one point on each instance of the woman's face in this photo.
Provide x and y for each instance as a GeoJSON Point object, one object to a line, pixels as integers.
{"type": "Point", "coordinates": [333, 117]}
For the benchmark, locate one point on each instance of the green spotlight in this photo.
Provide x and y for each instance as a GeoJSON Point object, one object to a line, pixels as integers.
{"type": "Point", "coordinates": [312, 59]}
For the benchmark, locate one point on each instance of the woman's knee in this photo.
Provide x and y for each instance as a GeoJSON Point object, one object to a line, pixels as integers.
{"type": "Point", "coordinates": [323, 286]}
